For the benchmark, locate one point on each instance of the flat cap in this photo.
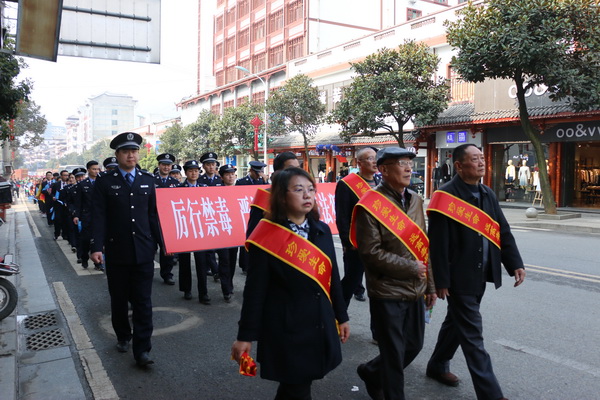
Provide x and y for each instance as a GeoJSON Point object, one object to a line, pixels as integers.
{"type": "Point", "coordinates": [176, 168]}
{"type": "Point", "coordinates": [126, 140]}
{"type": "Point", "coordinates": [110, 162]}
{"type": "Point", "coordinates": [79, 171]}
{"type": "Point", "coordinates": [208, 157]}
{"type": "Point", "coordinates": [166, 158]}
{"type": "Point", "coordinates": [393, 152]}
{"type": "Point", "coordinates": [257, 165]}
{"type": "Point", "coordinates": [227, 168]}
{"type": "Point", "coordinates": [191, 164]}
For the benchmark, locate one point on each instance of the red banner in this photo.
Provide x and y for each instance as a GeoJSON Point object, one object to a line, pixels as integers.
{"type": "Point", "coordinates": [215, 217]}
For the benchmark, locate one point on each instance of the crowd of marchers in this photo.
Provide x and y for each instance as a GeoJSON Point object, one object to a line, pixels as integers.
{"type": "Point", "coordinates": [294, 301]}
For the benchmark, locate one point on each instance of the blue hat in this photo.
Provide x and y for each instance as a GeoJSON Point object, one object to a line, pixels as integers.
{"type": "Point", "coordinates": [166, 158]}
{"type": "Point", "coordinates": [126, 140]}
{"type": "Point", "coordinates": [257, 165]}
{"type": "Point", "coordinates": [191, 164]}
{"type": "Point", "coordinates": [176, 168]}
{"type": "Point", "coordinates": [227, 168]}
{"type": "Point", "coordinates": [79, 171]}
{"type": "Point", "coordinates": [393, 152]}
{"type": "Point", "coordinates": [110, 162]}
{"type": "Point", "coordinates": [208, 157]}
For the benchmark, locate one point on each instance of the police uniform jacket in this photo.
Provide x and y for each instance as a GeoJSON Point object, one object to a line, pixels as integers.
{"type": "Point", "coordinates": [57, 192]}
{"type": "Point", "coordinates": [70, 192]}
{"type": "Point", "coordinates": [345, 200]}
{"type": "Point", "coordinates": [291, 317]}
{"type": "Point", "coordinates": [169, 182]}
{"type": "Point", "coordinates": [456, 252]}
{"type": "Point", "coordinates": [249, 181]}
{"type": "Point", "coordinates": [186, 184]}
{"type": "Point", "coordinates": [83, 202]}
{"type": "Point", "coordinates": [203, 180]}
{"type": "Point", "coordinates": [125, 220]}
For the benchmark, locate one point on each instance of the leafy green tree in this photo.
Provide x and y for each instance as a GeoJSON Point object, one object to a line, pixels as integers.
{"type": "Point", "coordinates": [12, 93]}
{"type": "Point", "coordinates": [191, 141]}
{"type": "Point", "coordinates": [296, 108]}
{"type": "Point", "coordinates": [29, 125]}
{"type": "Point", "coordinates": [392, 88]}
{"type": "Point", "coordinates": [99, 151]}
{"type": "Point", "coordinates": [233, 133]}
{"type": "Point", "coordinates": [148, 160]}
{"type": "Point", "coordinates": [532, 42]}
{"type": "Point", "coordinates": [171, 141]}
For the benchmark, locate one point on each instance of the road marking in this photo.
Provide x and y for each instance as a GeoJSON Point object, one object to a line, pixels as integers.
{"type": "Point", "coordinates": [34, 228]}
{"type": "Point", "coordinates": [560, 272]}
{"type": "Point", "coordinates": [100, 384]}
{"type": "Point", "coordinates": [576, 365]}
{"type": "Point", "coordinates": [529, 228]}
{"type": "Point", "coordinates": [189, 319]}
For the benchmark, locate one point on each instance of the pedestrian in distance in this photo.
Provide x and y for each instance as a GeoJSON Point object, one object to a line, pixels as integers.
{"type": "Point", "coordinates": [469, 240]}
{"type": "Point", "coordinates": [393, 247]}
{"type": "Point", "coordinates": [125, 226]}
{"type": "Point", "coordinates": [289, 308]}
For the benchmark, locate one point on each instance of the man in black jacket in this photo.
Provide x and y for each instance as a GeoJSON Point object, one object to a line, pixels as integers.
{"type": "Point", "coordinates": [463, 259]}
{"type": "Point", "coordinates": [125, 225]}
{"type": "Point", "coordinates": [82, 213]}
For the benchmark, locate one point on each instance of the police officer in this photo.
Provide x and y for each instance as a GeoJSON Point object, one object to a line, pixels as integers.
{"type": "Point", "coordinates": [176, 173]}
{"type": "Point", "coordinates": [255, 175]}
{"type": "Point", "coordinates": [210, 178]}
{"type": "Point", "coordinates": [109, 164]}
{"type": "Point", "coordinates": [76, 176]}
{"type": "Point", "coordinates": [163, 180]}
{"type": "Point", "coordinates": [61, 220]}
{"type": "Point", "coordinates": [192, 173]}
{"type": "Point", "coordinates": [125, 226]}
{"type": "Point", "coordinates": [82, 213]}
{"type": "Point", "coordinates": [227, 257]}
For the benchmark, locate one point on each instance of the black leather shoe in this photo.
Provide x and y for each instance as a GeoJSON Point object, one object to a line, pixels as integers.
{"type": "Point", "coordinates": [360, 297]}
{"type": "Point", "coordinates": [374, 389]}
{"type": "Point", "coordinates": [144, 359]}
{"type": "Point", "coordinates": [205, 300]}
{"type": "Point", "coordinates": [84, 264]}
{"type": "Point", "coordinates": [122, 346]}
{"type": "Point", "coordinates": [169, 281]}
{"type": "Point", "coordinates": [79, 261]}
{"type": "Point", "coordinates": [227, 298]}
{"type": "Point", "coordinates": [446, 378]}
{"type": "Point", "coordinates": [73, 249]}
{"type": "Point", "coordinates": [216, 277]}
{"type": "Point", "coordinates": [187, 295]}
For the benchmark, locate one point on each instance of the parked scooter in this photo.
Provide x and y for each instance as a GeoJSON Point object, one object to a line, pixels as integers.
{"type": "Point", "coordinates": [8, 291]}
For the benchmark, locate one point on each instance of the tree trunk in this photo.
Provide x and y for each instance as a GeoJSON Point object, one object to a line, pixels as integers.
{"type": "Point", "coordinates": [533, 136]}
{"type": "Point", "coordinates": [309, 166]}
{"type": "Point", "coordinates": [400, 134]}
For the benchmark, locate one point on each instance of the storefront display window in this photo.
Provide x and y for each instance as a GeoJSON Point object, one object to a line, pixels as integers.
{"type": "Point", "coordinates": [587, 175]}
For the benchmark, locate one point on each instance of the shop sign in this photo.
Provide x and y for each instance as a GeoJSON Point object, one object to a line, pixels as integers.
{"type": "Point", "coordinates": [450, 137]}
{"type": "Point", "coordinates": [579, 132]}
{"type": "Point", "coordinates": [462, 136]}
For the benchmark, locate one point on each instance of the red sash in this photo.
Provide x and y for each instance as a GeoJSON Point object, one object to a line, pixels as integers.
{"type": "Point", "coordinates": [466, 214]}
{"type": "Point", "coordinates": [396, 221]}
{"type": "Point", "coordinates": [262, 199]}
{"type": "Point", "coordinates": [357, 184]}
{"type": "Point", "coordinates": [293, 250]}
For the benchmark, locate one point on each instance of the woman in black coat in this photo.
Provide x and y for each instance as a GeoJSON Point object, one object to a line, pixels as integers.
{"type": "Point", "coordinates": [287, 312]}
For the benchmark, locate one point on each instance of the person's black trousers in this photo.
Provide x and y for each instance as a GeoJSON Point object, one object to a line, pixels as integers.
{"type": "Point", "coordinates": [185, 272]}
{"type": "Point", "coordinates": [353, 275]}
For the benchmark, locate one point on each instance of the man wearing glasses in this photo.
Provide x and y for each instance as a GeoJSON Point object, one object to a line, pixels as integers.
{"type": "Point", "coordinates": [347, 193]}
{"type": "Point", "coordinates": [394, 248]}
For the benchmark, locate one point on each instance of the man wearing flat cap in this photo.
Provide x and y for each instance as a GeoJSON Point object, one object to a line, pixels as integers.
{"type": "Point", "coordinates": [393, 247]}
{"type": "Point", "coordinates": [125, 226]}
{"type": "Point", "coordinates": [163, 180]}
{"type": "Point", "coordinates": [109, 164]}
{"type": "Point", "coordinates": [82, 213]}
{"type": "Point", "coordinates": [176, 173]}
{"type": "Point", "coordinates": [255, 175]}
{"type": "Point", "coordinates": [210, 178]}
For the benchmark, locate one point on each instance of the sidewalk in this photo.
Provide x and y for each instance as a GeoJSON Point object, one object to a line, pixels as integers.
{"type": "Point", "coordinates": [37, 359]}
{"type": "Point", "coordinates": [35, 354]}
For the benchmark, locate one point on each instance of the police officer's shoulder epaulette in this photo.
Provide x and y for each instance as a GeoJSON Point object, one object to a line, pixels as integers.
{"type": "Point", "coordinates": [147, 174]}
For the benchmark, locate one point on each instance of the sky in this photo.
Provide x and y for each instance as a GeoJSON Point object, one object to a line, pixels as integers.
{"type": "Point", "coordinates": [61, 87]}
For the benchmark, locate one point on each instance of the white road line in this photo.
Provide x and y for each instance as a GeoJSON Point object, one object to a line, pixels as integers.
{"type": "Point", "coordinates": [34, 228]}
{"type": "Point", "coordinates": [530, 228]}
{"type": "Point", "coordinates": [569, 274]}
{"type": "Point", "coordinates": [100, 384]}
{"type": "Point", "coordinates": [576, 365]}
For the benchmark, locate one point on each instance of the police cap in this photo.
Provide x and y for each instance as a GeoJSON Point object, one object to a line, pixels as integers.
{"type": "Point", "coordinates": [110, 162]}
{"type": "Point", "coordinates": [191, 164]}
{"type": "Point", "coordinates": [257, 166]}
{"type": "Point", "coordinates": [227, 168]}
{"type": "Point", "coordinates": [176, 168]}
{"type": "Point", "coordinates": [126, 140]}
{"type": "Point", "coordinates": [166, 158]}
{"type": "Point", "coordinates": [208, 157]}
{"type": "Point", "coordinates": [79, 171]}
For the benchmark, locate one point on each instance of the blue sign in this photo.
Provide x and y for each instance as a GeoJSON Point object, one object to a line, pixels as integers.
{"type": "Point", "coordinates": [231, 160]}
{"type": "Point", "coordinates": [450, 137]}
{"type": "Point", "coordinates": [462, 136]}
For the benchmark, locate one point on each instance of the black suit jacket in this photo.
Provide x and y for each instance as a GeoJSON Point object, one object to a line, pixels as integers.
{"type": "Point", "coordinates": [170, 182]}
{"type": "Point", "coordinates": [456, 252]}
{"type": "Point", "coordinates": [82, 209]}
{"type": "Point", "coordinates": [125, 220]}
{"type": "Point", "coordinates": [291, 317]}
{"type": "Point", "coordinates": [203, 180]}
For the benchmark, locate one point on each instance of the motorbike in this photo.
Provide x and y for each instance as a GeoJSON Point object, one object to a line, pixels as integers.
{"type": "Point", "coordinates": [8, 291]}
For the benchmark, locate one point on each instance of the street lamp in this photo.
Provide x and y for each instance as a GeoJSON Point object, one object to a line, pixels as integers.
{"type": "Point", "coordinates": [247, 72]}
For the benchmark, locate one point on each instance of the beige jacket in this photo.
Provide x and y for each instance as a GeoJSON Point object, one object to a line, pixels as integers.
{"type": "Point", "coordinates": [390, 268]}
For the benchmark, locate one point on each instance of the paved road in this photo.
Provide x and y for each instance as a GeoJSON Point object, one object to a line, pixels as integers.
{"type": "Point", "coordinates": [543, 336]}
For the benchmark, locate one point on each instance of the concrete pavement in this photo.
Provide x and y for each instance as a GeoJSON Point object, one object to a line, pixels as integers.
{"type": "Point", "coordinates": [44, 352]}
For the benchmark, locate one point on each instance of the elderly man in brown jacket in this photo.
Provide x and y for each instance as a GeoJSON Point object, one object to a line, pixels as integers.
{"type": "Point", "coordinates": [394, 249]}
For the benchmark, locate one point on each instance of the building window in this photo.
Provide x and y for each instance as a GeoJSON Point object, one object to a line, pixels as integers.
{"type": "Point", "coordinates": [219, 51]}
{"type": "Point", "coordinates": [228, 104]}
{"type": "Point", "coordinates": [114, 122]}
{"type": "Point", "coordinates": [111, 132]}
{"type": "Point", "coordinates": [459, 89]}
{"type": "Point", "coordinates": [215, 109]}
{"type": "Point", "coordinates": [411, 13]}
{"type": "Point", "coordinates": [230, 74]}
{"type": "Point", "coordinates": [219, 23]}
{"type": "Point", "coordinates": [230, 16]}
{"type": "Point", "coordinates": [244, 38]}
{"type": "Point", "coordinates": [243, 7]}
{"type": "Point", "coordinates": [244, 64]}
{"type": "Point", "coordinates": [258, 30]}
{"type": "Point", "coordinates": [114, 112]}
{"type": "Point", "coordinates": [220, 77]}
{"type": "Point", "coordinates": [295, 48]}
{"type": "Point", "coordinates": [257, 3]}
{"type": "Point", "coordinates": [259, 63]}
{"type": "Point", "coordinates": [295, 11]}
{"type": "Point", "coordinates": [443, 1]}
{"type": "Point", "coordinates": [230, 45]}
{"type": "Point", "coordinates": [276, 21]}
{"type": "Point", "coordinates": [275, 56]}
{"type": "Point", "coordinates": [258, 98]}
{"type": "Point", "coordinates": [242, 100]}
